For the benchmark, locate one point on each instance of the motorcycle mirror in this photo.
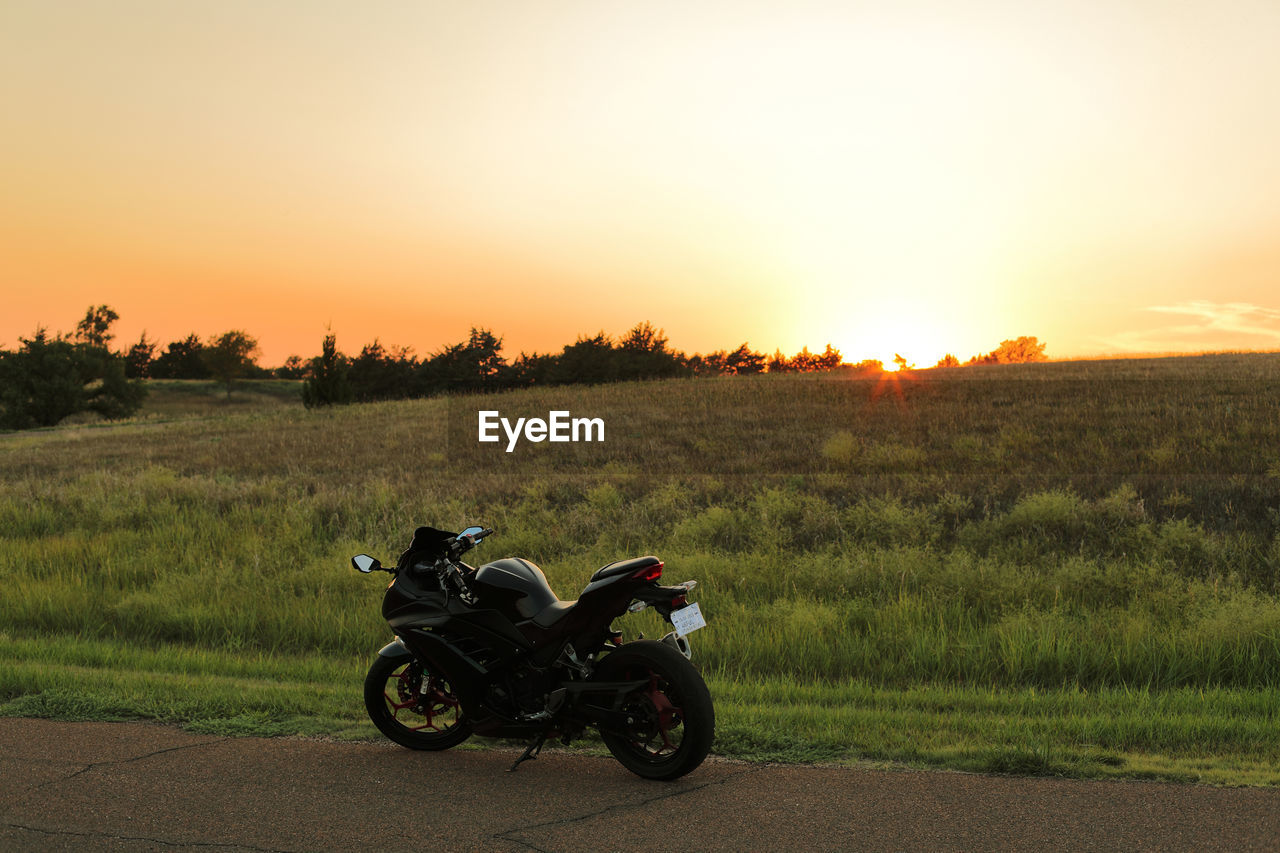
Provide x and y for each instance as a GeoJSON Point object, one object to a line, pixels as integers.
{"type": "Point", "coordinates": [364, 563]}
{"type": "Point", "coordinates": [471, 531]}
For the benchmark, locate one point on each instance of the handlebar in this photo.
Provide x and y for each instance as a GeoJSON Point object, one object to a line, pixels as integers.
{"type": "Point", "coordinates": [465, 542]}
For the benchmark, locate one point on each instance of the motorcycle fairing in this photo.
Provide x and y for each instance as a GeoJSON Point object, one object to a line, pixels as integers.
{"type": "Point", "coordinates": [428, 544]}
{"type": "Point", "coordinates": [514, 586]}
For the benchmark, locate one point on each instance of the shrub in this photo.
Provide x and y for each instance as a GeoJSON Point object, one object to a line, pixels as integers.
{"type": "Point", "coordinates": [888, 523]}
{"type": "Point", "coordinates": [841, 447]}
{"type": "Point", "coordinates": [793, 521]}
{"type": "Point", "coordinates": [716, 527]}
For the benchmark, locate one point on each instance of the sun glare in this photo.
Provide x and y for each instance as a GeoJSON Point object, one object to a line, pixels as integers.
{"type": "Point", "coordinates": [917, 320]}
{"type": "Point", "coordinates": [910, 345]}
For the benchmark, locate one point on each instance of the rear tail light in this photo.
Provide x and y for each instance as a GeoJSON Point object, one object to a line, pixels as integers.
{"type": "Point", "coordinates": [649, 573]}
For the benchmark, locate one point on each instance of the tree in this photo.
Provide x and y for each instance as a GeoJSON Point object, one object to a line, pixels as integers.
{"type": "Point", "coordinates": [900, 362]}
{"type": "Point", "coordinates": [484, 352]}
{"type": "Point", "coordinates": [1016, 351]}
{"type": "Point", "coordinates": [327, 384]}
{"type": "Point", "coordinates": [642, 337]}
{"type": "Point", "coordinates": [379, 374]}
{"type": "Point", "coordinates": [829, 360]}
{"type": "Point", "coordinates": [229, 357]}
{"type": "Point", "coordinates": [587, 360]}
{"type": "Point", "coordinates": [138, 360]}
{"type": "Point", "coordinates": [533, 369]}
{"type": "Point", "coordinates": [40, 383]}
{"type": "Point", "coordinates": [95, 329]}
{"type": "Point", "coordinates": [181, 360]}
{"type": "Point", "coordinates": [1019, 350]}
{"type": "Point", "coordinates": [49, 378]}
{"type": "Point", "coordinates": [472, 366]}
{"type": "Point", "coordinates": [293, 368]}
{"type": "Point", "coordinates": [110, 391]}
{"type": "Point", "coordinates": [803, 361]}
{"type": "Point", "coordinates": [642, 353]}
{"type": "Point", "coordinates": [711, 364]}
{"type": "Point", "coordinates": [948, 360]}
{"type": "Point", "coordinates": [743, 360]}
{"type": "Point", "coordinates": [868, 367]}
{"type": "Point", "coordinates": [778, 363]}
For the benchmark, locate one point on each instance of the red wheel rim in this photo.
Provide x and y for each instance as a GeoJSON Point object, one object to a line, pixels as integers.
{"type": "Point", "coordinates": [426, 707]}
{"type": "Point", "coordinates": [661, 718]}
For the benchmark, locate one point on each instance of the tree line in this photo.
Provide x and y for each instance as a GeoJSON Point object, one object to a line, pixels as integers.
{"type": "Point", "coordinates": [477, 364]}
{"type": "Point", "coordinates": [49, 377]}
{"type": "Point", "coordinates": [382, 373]}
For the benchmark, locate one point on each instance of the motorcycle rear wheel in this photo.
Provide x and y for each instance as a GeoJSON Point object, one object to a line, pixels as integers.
{"type": "Point", "coordinates": [670, 720]}
{"type": "Point", "coordinates": [413, 706]}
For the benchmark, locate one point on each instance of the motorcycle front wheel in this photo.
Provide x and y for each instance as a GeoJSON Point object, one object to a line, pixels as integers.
{"type": "Point", "coordinates": [670, 720]}
{"type": "Point", "coordinates": [413, 706]}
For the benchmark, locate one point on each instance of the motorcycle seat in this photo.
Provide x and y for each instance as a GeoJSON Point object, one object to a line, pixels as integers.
{"type": "Point", "coordinates": [552, 613]}
{"type": "Point", "coordinates": [623, 567]}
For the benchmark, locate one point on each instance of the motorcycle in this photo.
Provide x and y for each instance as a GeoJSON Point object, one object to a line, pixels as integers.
{"type": "Point", "coordinates": [493, 651]}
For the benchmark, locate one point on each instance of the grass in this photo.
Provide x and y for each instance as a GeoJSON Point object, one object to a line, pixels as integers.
{"type": "Point", "coordinates": [1216, 736]}
{"type": "Point", "coordinates": [1054, 569]}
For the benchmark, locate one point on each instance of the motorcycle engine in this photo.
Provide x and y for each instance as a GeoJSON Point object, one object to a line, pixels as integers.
{"type": "Point", "coordinates": [522, 692]}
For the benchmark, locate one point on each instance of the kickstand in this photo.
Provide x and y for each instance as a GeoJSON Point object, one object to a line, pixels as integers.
{"type": "Point", "coordinates": [531, 752]}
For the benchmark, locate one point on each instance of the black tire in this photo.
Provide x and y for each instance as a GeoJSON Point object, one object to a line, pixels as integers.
{"type": "Point", "coordinates": [661, 742]}
{"type": "Point", "coordinates": [403, 711]}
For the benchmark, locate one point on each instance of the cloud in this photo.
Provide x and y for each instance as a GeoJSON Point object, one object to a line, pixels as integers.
{"type": "Point", "coordinates": [1210, 326]}
{"type": "Point", "coordinates": [1235, 317]}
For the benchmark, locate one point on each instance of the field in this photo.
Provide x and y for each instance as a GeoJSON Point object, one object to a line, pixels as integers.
{"type": "Point", "coordinates": [1065, 568]}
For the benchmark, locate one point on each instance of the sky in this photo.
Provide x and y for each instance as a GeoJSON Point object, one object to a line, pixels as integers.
{"type": "Point", "coordinates": [916, 177]}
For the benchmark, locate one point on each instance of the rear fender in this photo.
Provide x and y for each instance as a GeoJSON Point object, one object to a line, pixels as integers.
{"type": "Point", "coordinates": [662, 598]}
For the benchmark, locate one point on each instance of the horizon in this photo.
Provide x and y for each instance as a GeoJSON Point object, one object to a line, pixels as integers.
{"type": "Point", "coordinates": [116, 344]}
{"type": "Point", "coordinates": [919, 180]}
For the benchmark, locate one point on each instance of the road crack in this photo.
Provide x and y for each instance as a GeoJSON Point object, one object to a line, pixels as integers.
{"type": "Point", "coordinates": [116, 761]}
{"type": "Point", "coordinates": [510, 834]}
{"type": "Point", "coordinates": [219, 845]}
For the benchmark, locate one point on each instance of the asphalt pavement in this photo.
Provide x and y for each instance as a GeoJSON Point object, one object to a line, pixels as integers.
{"type": "Point", "coordinates": [135, 786]}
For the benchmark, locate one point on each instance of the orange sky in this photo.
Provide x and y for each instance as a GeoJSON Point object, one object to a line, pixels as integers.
{"type": "Point", "coordinates": [924, 177]}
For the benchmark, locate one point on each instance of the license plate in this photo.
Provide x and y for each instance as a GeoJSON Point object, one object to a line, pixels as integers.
{"type": "Point", "coordinates": [688, 619]}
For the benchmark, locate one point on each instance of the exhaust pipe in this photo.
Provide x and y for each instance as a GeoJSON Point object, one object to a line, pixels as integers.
{"type": "Point", "coordinates": [680, 644]}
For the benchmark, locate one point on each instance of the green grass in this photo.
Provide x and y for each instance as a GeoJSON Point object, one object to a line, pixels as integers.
{"type": "Point", "coordinates": [1213, 736]}
{"type": "Point", "coordinates": [173, 398]}
{"type": "Point", "coordinates": [1053, 569]}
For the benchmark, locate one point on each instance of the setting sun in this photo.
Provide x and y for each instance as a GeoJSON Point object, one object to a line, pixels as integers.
{"type": "Point", "coordinates": [898, 328]}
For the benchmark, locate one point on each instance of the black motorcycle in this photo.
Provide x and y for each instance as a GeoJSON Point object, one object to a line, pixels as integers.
{"type": "Point", "coordinates": [493, 651]}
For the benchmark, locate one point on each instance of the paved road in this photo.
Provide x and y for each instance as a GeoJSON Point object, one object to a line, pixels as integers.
{"type": "Point", "coordinates": [133, 786]}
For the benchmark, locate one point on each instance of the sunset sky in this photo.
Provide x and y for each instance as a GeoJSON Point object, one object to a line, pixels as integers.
{"type": "Point", "coordinates": [923, 177]}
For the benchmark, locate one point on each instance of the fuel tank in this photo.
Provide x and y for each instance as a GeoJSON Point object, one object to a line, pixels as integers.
{"type": "Point", "coordinates": [514, 587]}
